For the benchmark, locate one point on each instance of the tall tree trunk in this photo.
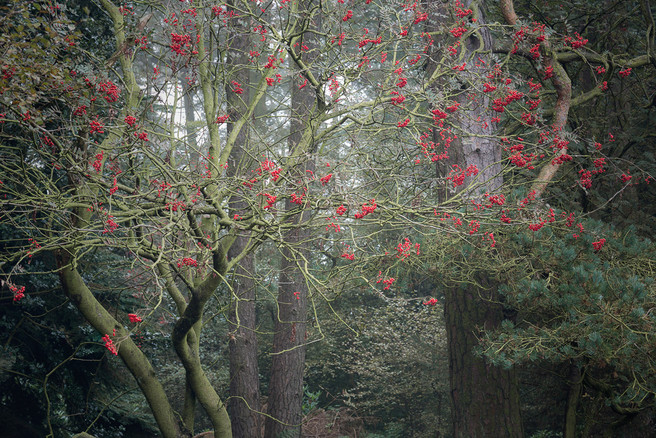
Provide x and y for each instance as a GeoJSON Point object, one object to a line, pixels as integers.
{"type": "Point", "coordinates": [244, 402]}
{"type": "Point", "coordinates": [189, 406]}
{"type": "Point", "coordinates": [574, 382]}
{"type": "Point", "coordinates": [190, 130]}
{"type": "Point", "coordinates": [288, 362]}
{"type": "Point", "coordinates": [485, 398]}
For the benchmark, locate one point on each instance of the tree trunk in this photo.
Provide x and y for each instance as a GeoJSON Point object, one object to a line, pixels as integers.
{"type": "Point", "coordinates": [133, 358]}
{"type": "Point", "coordinates": [288, 362]}
{"type": "Point", "coordinates": [574, 382]}
{"type": "Point", "coordinates": [188, 413]}
{"type": "Point", "coordinates": [190, 130]}
{"type": "Point", "coordinates": [485, 398]}
{"type": "Point", "coordinates": [244, 403]}
{"type": "Point", "coordinates": [185, 342]}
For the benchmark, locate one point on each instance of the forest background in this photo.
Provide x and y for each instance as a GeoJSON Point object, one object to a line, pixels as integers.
{"type": "Point", "coordinates": [349, 218]}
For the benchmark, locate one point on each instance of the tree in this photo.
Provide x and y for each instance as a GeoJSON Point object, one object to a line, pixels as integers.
{"type": "Point", "coordinates": [91, 165]}
{"type": "Point", "coordinates": [581, 303]}
{"type": "Point", "coordinates": [290, 325]}
{"type": "Point", "coordinates": [401, 342]}
{"type": "Point", "coordinates": [485, 399]}
{"type": "Point", "coordinates": [244, 376]}
{"type": "Point", "coordinates": [477, 313]}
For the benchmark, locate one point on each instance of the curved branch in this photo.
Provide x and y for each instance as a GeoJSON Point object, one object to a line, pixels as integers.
{"type": "Point", "coordinates": [134, 359]}
{"type": "Point", "coordinates": [563, 85]}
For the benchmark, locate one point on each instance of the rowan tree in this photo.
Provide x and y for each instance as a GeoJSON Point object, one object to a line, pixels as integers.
{"type": "Point", "coordinates": [362, 120]}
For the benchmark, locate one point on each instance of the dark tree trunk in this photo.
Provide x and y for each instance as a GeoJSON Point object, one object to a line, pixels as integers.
{"type": "Point", "coordinates": [574, 382]}
{"type": "Point", "coordinates": [485, 398]}
{"type": "Point", "coordinates": [244, 402]}
{"type": "Point", "coordinates": [288, 361]}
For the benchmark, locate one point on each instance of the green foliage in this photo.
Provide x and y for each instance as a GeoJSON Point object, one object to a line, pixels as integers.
{"type": "Point", "coordinates": [546, 434]}
{"type": "Point", "coordinates": [577, 299]}
{"type": "Point", "coordinates": [49, 351]}
{"type": "Point", "coordinates": [392, 430]}
{"type": "Point", "coordinates": [310, 400]}
{"type": "Point", "coordinates": [393, 371]}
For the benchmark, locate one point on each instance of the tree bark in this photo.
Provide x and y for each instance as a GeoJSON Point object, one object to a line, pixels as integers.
{"type": "Point", "coordinates": [191, 146]}
{"type": "Point", "coordinates": [574, 382]}
{"type": "Point", "coordinates": [288, 362]}
{"type": "Point", "coordinates": [190, 130]}
{"type": "Point", "coordinates": [485, 398]}
{"type": "Point", "coordinates": [563, 86]}
{"type": "Point", "coordinates": [244, 402]}
{"type": "Point", "coordinates": [185, 342]}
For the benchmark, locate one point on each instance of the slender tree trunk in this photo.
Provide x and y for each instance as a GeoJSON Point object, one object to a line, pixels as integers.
{"type": "Point", "coordinates": [244, 403]}
{"type": "Point", "coordinates": [190, 402]}
{"type": "Point", "coordinates": [288, 362]}
{"type": "Point", "coordinates": [190, 118]}
{"type": "Point", "coordinates": [185, 342]}
{"type": "Point", "coordinates": [189, 407]}
{"type": "Point", "coordinates": [136, 362]}
{"type": "Point", "coordinates": [574, 382]}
